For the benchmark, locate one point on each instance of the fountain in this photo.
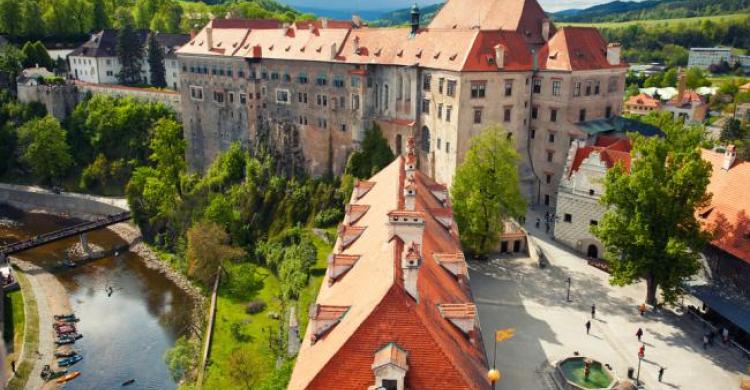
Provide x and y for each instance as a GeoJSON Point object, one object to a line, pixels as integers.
{"type": "Point", "coordinates": [579, 373]}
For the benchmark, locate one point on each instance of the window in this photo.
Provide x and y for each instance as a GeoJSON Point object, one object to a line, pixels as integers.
{"type": "Point", "coordinates": [441, 83]}
{"type": "Point", "coordinates": [556, 86]}
{"type": "Point", "coordinates": [596, 87]}
{"type": "Point", "coordinates": [322, 100]}
{"type": "Point", "coordinates": [196, 93]}
{"type": "Point", "coordinates": [282, 96]}
{"type": "Point", "coordinates": [425, 106]}
{"type": "Point", "coordinates": [338, 82]}
{"type": "Point", "coordinates": [612, 85]}
{"type": "Point", "coordinates": [553, 114]}
{"type": "Point", "coordinates": [532, 134]}
{"type": "Point", "coordinates": [440, 111]}
{"type": "Point", "coordinates": [506, 114]}
{"type": "Point", "coordinates": [537, 86]}
{"type": "Point", "coordinates": [425, 139]}
{"type": "Point", "coordinates": [287, 78]}
{"type": "Point", "coordinates": [109, 73]}
{"type": "Point", "coordinates": [448, 110]}
{"type": "Point", "coordinates": [322, 80]}
{"type": "Point", "coordinates": [582, 115]}
{"type": "Point", "coordinates": [608, 112]}
{"type": "Point", "coordinates": [593, 222]}
{"type": "Point", "coordinates": [302, 78]}
{"type": "Point", "coordinates": [534, 112]}
{"type": "Point", "coordinates": [302, 97]}
{"type": "Point", "coordinates": [229, 72]}
{"type": "Point", "coordinates": [550, 155]}
{"type": "Point", "coordinates": [343, 127]}
{"type": "Point", "coordinates": [109, 62]}
{"type": "Point", "coordinates": [546, 200]}
{"type": "Point", "coordinates": [568, 218]}
{"type": "Point", "coordinates": [508, 87]}
{"type": "Point", "coordinates": [477, 115]}
{"type": "Point", "coordinates": [588, 88]}
{"type": "Point", "coordinates": [323, 123]}
{"type": "Point", "coordinates": [243, 98]}
{"type": "Point", "coordinates": [437, 145]}
{"type": "Point", "coordinates": [221, 72]}
{"type": "Point", "coordinates": [478, 89]}
{"type": "Point", "coordinates": [355, 102]}
{"type": "Point", "coordinates": [386, 96]}
{"type": "Point", "coordinates": [241, 74]}
{"type": "Point", "coordinates": [342, 102]}
{"type": "Point", "coordinates": [447, 147]}
{"type": "Point", "coordinates": [356, 82]}
{"type": "Point", "coordinates": [231, 97]}
{"type": "Point", "coordinates": [548, 178]}
{"type": "Point", "coordinates": [551, 138]}
{"type": "Point", "coordinates": [219, 97]}
{"type": "Point", "coordinates": [389, 384]}
{"type": "Point", "coordinates": [274, 75]}
{"type": "Point", "coordinates": [451, 89]}
{"type": "Point", "coordinates": [426, 81]}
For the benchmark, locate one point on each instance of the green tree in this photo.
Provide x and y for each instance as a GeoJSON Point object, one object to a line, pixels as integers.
{"type": "Point", "coordinates": [129, 52]}
{"type": "Point", "coordinates": [732, 131]}
{"type": "Point", "coordinates": [373, 155]}
{"type": "Point", "coordinates": [10, 17]}
{"type": "Point", "coordinates": [207, 248]}
{"type": "Point", "coordinates": [168, 18]}
{"type": "Point", "coordinates": [100, 19]}
{"type": "Point", "coordinates": [669, 79]}
{"type": "Point", "coordinates": [485, 190]}
{"type": "Point", "coordinates": [649, 229]}
{"type": "Point", "coordinates": [80, 14]}
{"type": "Point", "coordinates": [36, 54]}
{"type": "Point", "coordinates": [696, 77]}
{"type": "Point", "coordinates": [244, 368]}
{"type": "Point", "coordinates": [168, 149]}
{"type": "Point", "coordinates": [32, 24]}
{"type": "Point", "coordinates": [44, 148]}
{"type": "Point", "coordinates": [156, 62]}
{"type": "Point", "coordinates": [11, 60]}
{"type": "Point", "coordinates": [181, 359]}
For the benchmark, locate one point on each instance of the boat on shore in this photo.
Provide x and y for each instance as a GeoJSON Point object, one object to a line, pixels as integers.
{"type": "Point", "coordinates": [69, 377]}
{"type": "Point", "coordinates": [48, 374]}
{"type": "Point", "coordinates": [68, 338]}
{"type": "Point", "coordinates": [65, 354]}
{"type": "Point", "coordinates": [69, 361]}
{"type": "Point", "coordinates": [70, 317]}
{"type": "Point", "coordinates": [61, 330]}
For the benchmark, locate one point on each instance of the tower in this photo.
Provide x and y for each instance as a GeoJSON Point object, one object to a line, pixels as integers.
{"type": "Point", "coordinates": [414, 19]}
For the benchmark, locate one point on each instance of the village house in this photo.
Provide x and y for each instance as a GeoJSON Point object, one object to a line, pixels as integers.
{"type": "Point", "coordinates": [96, 61]}
{"type": "Point", "coordinates": [641, 104]}
{"type": "Point", "coordinates": [311, 89]}
{"type": "Point", "coordinates": [415, 325]}
{"type": "Point", "coordinates": [688, 104]}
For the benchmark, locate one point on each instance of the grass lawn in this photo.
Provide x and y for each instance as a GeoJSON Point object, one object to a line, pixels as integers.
{"type": "Point", "coordinates": [13, 324]}
{"type": "Point", "coordinates": [253, 329]}
{"type": "Point", "coordinates": [663, 22]}
{"type": "Point", "coordinates": [31, 335]}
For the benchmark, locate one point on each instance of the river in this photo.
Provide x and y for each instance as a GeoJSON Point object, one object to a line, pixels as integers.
{"type": "Point", "coordinates": [125, 334]}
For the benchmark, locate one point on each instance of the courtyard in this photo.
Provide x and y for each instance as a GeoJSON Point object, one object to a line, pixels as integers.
{"type": "Point", "coordinates": [513, 292]}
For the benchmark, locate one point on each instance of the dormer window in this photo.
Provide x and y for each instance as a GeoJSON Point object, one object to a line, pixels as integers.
{"type": "Point", "coordinates": [339, 264]}
{"type": "Point", "coordinates": [361, 188]}
{"type": "Point", "coordinates": [455, 263]}
{"type": "Point", "coordinates": [349, 234]}
{"type": "Point", "coordinates": [390, 367]}
{"type": "Point", "coordinates": [323, 318]}
{"type": "Point", "coordinates": [462, 315]}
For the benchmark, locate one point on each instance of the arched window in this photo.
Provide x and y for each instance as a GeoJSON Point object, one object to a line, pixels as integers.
{"type": "Point", "coordinates": [398, 144]}
{"type": "Point", "coordinates": [425, 139]}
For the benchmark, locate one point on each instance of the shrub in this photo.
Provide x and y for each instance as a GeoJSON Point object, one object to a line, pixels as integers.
{"type": "Point", "coordinates": [255, 306]}
{"type": "Point", "coordinates": [328, 217]}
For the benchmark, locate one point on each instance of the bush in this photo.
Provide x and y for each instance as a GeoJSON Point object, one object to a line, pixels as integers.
{"type": "Point", "coordinates": [255, 306]}
{"type": "Point", "coordinates": [328, 217]}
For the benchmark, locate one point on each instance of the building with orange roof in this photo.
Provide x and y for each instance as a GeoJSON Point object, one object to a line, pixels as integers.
{"type": "Point", "coordinates": [641, 104]}
{"type": "Point", "coordinates": [581, 188]}
{"type": "Point", "coordinates": [395, 309]}
{"type": "Point", "coordinates": [310, 89]}
{"type": "Point", "coordinates": [687, 104]}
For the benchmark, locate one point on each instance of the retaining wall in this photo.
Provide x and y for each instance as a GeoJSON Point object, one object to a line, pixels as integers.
{"type": "Point", "coordinates": [29, 198]}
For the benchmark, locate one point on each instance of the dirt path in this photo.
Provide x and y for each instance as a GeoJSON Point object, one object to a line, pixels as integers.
{"type": "Point", "coordinates": [51, 299]}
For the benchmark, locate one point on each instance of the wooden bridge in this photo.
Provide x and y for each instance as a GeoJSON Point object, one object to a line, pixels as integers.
{"type": "Point", "coordinates": [80, 229]}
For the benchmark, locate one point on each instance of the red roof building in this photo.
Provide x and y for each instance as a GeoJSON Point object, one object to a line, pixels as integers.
{"type": "Point", "coordinates": [395, 308]}
{"type": "Point", "coordinates": [642, 104]}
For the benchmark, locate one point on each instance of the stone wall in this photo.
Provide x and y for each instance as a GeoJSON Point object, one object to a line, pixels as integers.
{"type": "Point", "coordinates": [167, 97]}
{"type": "Point", "coordinates": [29, 198]}
{"type": "Point", "coordinates": [59, 100]}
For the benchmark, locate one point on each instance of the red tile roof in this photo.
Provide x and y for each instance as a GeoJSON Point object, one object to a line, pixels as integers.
{"type": "Point", "coordinates": [611, 150]}
{"type": "Point", "coordinates": [689, 97]}
{"type": "Point", "coordinates": [729, 211]}
{"type": "Point", "coordinates": [382, 312]}
{"type": "Point", "coordinates": [643, 100]}
{"type": "Point", "coordinates": [576, 48]}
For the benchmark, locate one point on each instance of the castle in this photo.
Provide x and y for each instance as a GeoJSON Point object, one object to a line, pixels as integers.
{"type": "Point", "coordinates": [311, 89]}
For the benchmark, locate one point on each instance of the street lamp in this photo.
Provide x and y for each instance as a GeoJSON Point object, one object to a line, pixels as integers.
{"type": "Point", "coordinates": [567, 299]}
{"type": "Point", "coordinates": [500, 335]}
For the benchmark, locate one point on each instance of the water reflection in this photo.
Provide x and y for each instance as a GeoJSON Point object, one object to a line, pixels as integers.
{"type": "Point", "coordinates": [125, 334]}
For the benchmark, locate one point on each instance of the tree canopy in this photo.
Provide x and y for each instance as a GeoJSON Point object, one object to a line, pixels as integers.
{"type": "Point", "coordinates": [156, 62]}
{"type": "Point", "coordinates": [650, 230]}
{"type": "Point", "coordinates": [486, 190]}
{"type": "Point", "coordinates": [44, 148]}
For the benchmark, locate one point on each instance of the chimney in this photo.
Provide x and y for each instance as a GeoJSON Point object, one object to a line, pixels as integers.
{"type": "Point", "coordinates": [193, 32]}
{"type": "Point", "coordinates": [545, 29]}
{"type": "Point", "coordinates": [408, 225]}
{"type": "Point", "coordinates": [209, 37]}
{"type": "Point", "coordinates": [356, 45]}
{"type": "Point", "coordinates": [613, 53]}
{"type": "Point", "coordinates": [410, 193]}
{"type": "Point", "coordinates": [500, 55]}
{"type": "Point", "coordinates": [411, 156]}
{"type": "Point", "coordinates": [410, 263]}
{"type": "Point", "coordinates": [414, 19]}
{"type": "Point", "coordinates": [534, 61]}
{"type": "Point", "coordinates": [356, 21]}
{"type": "Point", "coordinates": [729, 156]}
{"type": "Point", "coordinates": [333, 51]}
{"type": "Point", "coordinates": [681, 86]}
{"type": "Point", "coordinates": [257, 51]}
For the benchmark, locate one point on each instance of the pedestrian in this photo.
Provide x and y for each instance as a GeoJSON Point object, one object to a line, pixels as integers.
{"type": "Point", "coordinates": [642, 309]}
{"type": "Point", "coordinates": [661, 373]}
{"type": "Point", "coordinates": [639, 334]}
{"type": "Point", "coordinates": [593, 311]}
{"type": "Point", "coordinates": [588, 327]}
{"type": "Point", "coordinates": [642, 351]}
{"type": "Point", "coordinates": [705, 341]}
{"type": "Point", "coordinates": [13, 366]}
{"type": "Point", "coordinates": [538, 222]}
{"type": "Point", "coordinates": [725, 335]}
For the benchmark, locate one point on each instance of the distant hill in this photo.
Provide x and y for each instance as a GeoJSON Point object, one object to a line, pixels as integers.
{"type": "Point", "coordinates": [403, 16]}
{"type": "Point", "coordinates": [618, 11]}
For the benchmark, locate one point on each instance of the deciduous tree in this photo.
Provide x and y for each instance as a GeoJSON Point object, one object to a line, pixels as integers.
{"type": "Point", "coordinates": [10, 17]}
{"type": "Point", "coordinates": [650, 229]}
{"type": "Point", "coordinates": [44, 148]}
{"type": "Point", "coordinates": [207, 248]}
{"type": "Point", "coordinates": [486, 191]}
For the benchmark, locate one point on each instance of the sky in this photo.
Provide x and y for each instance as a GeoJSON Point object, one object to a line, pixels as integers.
{"type": "Point", "coordinates": [549, 5]}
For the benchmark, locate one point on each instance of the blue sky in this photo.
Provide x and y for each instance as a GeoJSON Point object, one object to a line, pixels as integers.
{"type": "Point", "coordinates": [549, 5]}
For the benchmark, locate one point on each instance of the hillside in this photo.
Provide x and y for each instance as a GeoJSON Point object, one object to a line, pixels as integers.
{"type": "Point", "coordinates": [618, 11]}
{"type": "Point", "coordinates": [403, 16]}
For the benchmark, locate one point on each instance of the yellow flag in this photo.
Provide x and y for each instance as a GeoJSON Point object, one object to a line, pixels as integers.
{"type": "Point", "coordinates": [503, 334]}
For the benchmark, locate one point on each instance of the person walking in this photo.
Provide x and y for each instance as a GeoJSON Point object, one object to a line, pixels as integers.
{"type": "Point", "coordinates": [705, 341]}
{"type": "Point", "coordinates": [588, 327]}
{"type": "Point", "coordinates": [593, 311]}
{"type": "Point", "coordinates": [661, 373]}
{"type": "Point", "coordinates": [642, 309]}
{"type": "Point", "coordinates": [725, 335]}
{"type": "Point", "coordinates": [639, 334]}
{"type": "Point", "coordinates": [642, 351]}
